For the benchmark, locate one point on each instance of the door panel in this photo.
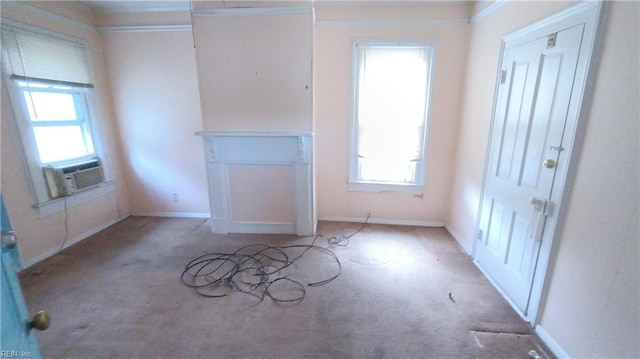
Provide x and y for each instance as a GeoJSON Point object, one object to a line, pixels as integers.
{"type": "Point", "coordinates": [528, 127]}
{"type": "Point", "coordinates": [16, 340]}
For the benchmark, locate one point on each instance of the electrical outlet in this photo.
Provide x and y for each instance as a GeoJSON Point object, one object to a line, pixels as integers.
{"type": "Point", "coordinates": [175, 197]}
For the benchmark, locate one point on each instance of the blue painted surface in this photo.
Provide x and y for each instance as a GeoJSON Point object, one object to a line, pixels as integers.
{"type": "Point", "coordinates": [16, 341]}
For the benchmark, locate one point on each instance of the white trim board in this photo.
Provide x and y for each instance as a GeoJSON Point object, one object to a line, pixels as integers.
{"type": "Point", "coordinates": [252, 11]}
{"type": "Point", "coordinates": [398, 22]}
{"type": "Point", "coordinates": [394, 222]}
{"type": "Point", "coordinates": [487, 10]}
{"type": "Point", "coordinates": [173, 214]}
{"type": "Point", "coordinates": [467, 248]}
{"type": "Point", "coordinates": [261, 227]}
{"type": "Point", "coordinates": [294, 151]}
{"type": "Point", "coordinates": [550, 342]}
{"type": "Point", "coordinates": [146, 28]}
{"type": "Point", "coordinates": [72, 241]}
{"type": "Point", "coordinates": [24, 5]}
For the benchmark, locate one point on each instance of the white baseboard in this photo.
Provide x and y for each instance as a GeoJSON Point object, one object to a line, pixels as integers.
{"type": "Point", "coordinates": [396, 222]}
{"type": "Point", "coordinates": [173, 214]}
{"type": "Point", "coordinates": [261, 227]}
{"type": "Point", "coordinates": [551, 343]}
{"type": "Point", "coordinates": [464, 245]}
{"type": "Point", "coordinates": [72, 241]}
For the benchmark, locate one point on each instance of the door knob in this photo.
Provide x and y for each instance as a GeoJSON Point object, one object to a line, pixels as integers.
{"type": "Point", "coordinates": [549, 163]}
{"type": "Point", "coordinates": [9, 239]}
{"type": "Point", "coordinates": [40, 321]}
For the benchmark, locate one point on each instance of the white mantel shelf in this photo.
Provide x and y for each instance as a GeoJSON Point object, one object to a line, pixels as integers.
{"type": "Point", "coordinates": [253, 133]}
{"type": "Point", "coordinates": [292, 149]}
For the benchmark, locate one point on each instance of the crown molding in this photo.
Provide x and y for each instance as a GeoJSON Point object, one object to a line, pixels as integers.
{"type": "Point", "coordinates": [145, 28]}
{"type": "Point", "coordinates": [252, 11]}
{"type": "Point", "coordinates": [398, 22]}
{"type": "Point", "coordinates": [24, 5]}
{"type": "Point", "coordinates": [488, 10]}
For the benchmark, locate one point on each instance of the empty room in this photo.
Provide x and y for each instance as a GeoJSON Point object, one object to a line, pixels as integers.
{"type": "Point", "coordinates": [320, 179]}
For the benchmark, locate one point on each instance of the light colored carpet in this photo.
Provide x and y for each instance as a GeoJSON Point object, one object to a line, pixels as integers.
{"type": "Point", "coordinates": [118, 295]}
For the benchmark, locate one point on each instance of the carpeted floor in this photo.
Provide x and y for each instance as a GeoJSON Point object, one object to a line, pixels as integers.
{"type": "Point", "coordinates": [118, 295]}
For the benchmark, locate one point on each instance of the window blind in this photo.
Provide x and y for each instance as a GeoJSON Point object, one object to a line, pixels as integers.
{"type": "Point", "coordinates": [392, 98]}
{"type": "Point", "coordinates": [35, 57]}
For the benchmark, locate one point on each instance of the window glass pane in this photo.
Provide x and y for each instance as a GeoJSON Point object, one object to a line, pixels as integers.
{"type": "Point", "coordinates": [391, 171]}
{"type": "Point", "coordinates": [391, 105]}
{"type": "Point", "coordinates": [50, 106]}
{"type": "Point", "coordinates": [58, 143]}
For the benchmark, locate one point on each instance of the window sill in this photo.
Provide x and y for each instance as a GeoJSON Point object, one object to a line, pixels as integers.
{"type": "Point", "coordinates": [60, 204]}
{"type": "Point", "coordinates": [385, 187]}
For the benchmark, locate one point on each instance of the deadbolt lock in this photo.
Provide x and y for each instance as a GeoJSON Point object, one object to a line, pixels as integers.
{"type": "Point", "coordinates": [549, 163]}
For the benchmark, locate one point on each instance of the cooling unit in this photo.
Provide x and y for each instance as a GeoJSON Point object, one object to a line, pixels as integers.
{"type": "Point", "coordinates": [63, 181]}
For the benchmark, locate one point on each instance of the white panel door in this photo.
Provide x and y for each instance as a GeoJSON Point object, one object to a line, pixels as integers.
{"type": "Point", "coordinates": [531, 111]}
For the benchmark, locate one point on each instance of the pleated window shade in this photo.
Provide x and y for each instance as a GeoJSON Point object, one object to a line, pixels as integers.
{"type": "Point", "coordinates": [391, 107]}
{"type": "Point", "coordinates": [42, 58]}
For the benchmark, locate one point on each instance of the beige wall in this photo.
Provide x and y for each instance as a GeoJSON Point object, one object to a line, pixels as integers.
{"type": "Point", "coordinates": [334, 32]}
{"type": "Point", "coordinates": [591, 306]}
{"type": "Point", "coordinates": [39, 236]}
{"type": "Point", "coordinates": [155, 91]}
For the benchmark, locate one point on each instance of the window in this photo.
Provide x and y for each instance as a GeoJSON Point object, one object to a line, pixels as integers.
{"type": "Point", "coordinates": [391, 98]}
{"type": "Point", "coordinates": [49, 81]}
{"type": "Point", "coordinates": [58, 119]}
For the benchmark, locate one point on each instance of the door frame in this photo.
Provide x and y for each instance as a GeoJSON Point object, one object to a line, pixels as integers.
{"type": "Point", "coordinates": [590, 14]}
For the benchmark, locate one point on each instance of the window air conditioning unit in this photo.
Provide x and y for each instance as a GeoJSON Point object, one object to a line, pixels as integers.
{"type": "Point", "coordinates": [66, 180]}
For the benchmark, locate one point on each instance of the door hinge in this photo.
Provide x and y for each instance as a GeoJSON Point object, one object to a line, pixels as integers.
{"type": "Point", "coordinates": [503, 77]}
{"type": "Point", "coordinates": [480, 234]}
{"type": "Point", "coordinates": [551, 40]}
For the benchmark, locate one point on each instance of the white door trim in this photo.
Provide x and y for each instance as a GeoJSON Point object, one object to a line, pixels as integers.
{"type": "Point", "coordinates": [588, 13]}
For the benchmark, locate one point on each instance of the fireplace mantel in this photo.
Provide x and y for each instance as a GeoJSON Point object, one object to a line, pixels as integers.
{"type": "Point", "coordinates": [291, 149]}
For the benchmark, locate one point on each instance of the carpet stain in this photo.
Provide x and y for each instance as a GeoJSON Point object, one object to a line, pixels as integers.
{"type": "Point", "coordinates": [80, 329]}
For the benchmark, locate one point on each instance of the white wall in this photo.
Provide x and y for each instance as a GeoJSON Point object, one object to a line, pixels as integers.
{"type": "Point", "coordinates": [39, 237]}
{"type": "Point", "coordinates": [591, 306]}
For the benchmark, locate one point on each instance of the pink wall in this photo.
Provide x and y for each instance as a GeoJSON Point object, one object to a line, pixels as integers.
{"type": "Point", "coordinates": [255, 71]}
{"type": "Point", "coordinates": [156, 100]}
{"type": "Point", "coordinates": [40, 237]}
{"type": "Point", "coordinates": [261, 193]}
{"type": "Point", "coordinates": [334, 32]}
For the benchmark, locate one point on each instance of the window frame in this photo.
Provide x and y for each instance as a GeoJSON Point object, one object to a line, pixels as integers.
{"type": "Point", "coordinates": [418, 184]}
{"type": "Point", "coordinates": [81, 106]}
{"type": "Point", "coordinates": [13, 98]}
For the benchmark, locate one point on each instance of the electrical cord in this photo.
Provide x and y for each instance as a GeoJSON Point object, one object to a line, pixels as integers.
{"type": "Point", "coordinates": [261, 270]}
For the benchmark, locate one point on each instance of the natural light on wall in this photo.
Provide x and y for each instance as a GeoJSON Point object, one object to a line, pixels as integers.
{"type": "Point", "coordinates": [390, 113]}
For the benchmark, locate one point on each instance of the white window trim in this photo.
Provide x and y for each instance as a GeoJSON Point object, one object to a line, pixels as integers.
{"type": "Point", "coordinates": [43, 204]}
{"type": "Point", "coordinates": [355, 185]}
